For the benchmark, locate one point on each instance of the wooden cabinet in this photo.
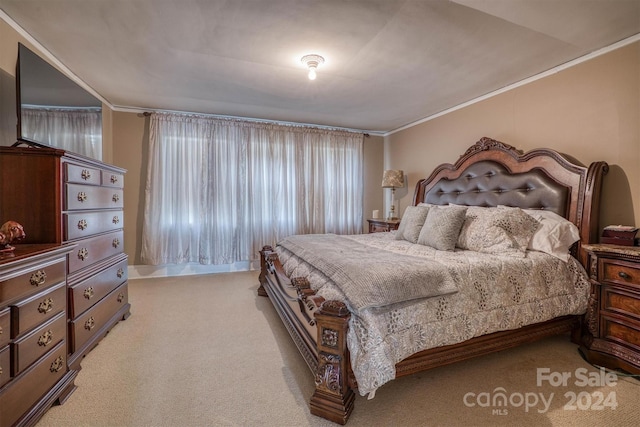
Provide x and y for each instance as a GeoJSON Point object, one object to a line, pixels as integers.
{"type": "Point", "coordinates": [612, 335]}
{"type": "Point", "coordinates": [61, 197]}
{"type": "Point", "coordinates": [93, 219]}
{"type": "Point", "coordinates": [33, 332]}
{"type": "Point", "coordinates": [382, 225]}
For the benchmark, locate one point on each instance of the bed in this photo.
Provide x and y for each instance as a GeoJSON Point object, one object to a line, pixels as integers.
{"type": "Point", "coordinates": [356, 331]}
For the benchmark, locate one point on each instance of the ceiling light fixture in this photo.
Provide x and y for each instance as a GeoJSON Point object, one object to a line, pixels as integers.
{"type": "Point", "coordinates": [312, 62]}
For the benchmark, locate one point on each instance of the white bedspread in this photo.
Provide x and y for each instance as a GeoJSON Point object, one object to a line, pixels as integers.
{"type": "Point", "coordinates": [364, 275]}
{"type": "Point", "coordinates": [495, 293]}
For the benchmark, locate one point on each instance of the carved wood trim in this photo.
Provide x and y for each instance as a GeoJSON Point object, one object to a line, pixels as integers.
{"type": "Point", "coordinates": [486, 143]}
{"type": "Point", "coordinates": [592, 315]}
{"type": "Point", "coordinates": [616, 350]}
{"type": "Point", "coordinates": [333, 398]}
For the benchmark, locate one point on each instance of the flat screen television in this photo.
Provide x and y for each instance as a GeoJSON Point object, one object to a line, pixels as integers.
{"type": "Point", "coordinates": [55, 111]}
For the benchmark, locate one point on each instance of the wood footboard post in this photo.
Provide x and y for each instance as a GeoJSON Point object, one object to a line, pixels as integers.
{"type": "Point", "coordinates": [333, 398]}
{"type": "Point", "coordinates": [264, 253]}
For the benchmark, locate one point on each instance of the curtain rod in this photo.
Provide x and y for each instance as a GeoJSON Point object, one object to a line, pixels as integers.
{"type": "Point", "coordinates": [365, 134]}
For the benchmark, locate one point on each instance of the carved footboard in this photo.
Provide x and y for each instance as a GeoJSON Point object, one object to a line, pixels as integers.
{"type": "Point", "coordinates": [319, 330]}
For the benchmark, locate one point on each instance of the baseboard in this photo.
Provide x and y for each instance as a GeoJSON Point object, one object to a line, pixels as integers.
{"type": "Point", "coordinates": [169, 270]}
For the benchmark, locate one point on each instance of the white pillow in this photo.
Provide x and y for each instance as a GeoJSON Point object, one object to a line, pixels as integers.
{"type": "Point", "coordinates": [442, 227]}
{"type": "Point", "coordinates": [504, 231]}
{"type": "Point", "coordinates": [411, 223]}
{"type": "Point", "coordinates": [555, 235]}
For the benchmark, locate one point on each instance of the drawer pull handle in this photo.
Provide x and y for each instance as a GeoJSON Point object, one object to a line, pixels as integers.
{"type": "Point", "coordinates": [88, 293]}
{"type": "Point", "coordinates": [57, 364]}
{"type": "Point", "coordinates": [45, 339]}
{"type": "Point", "coordinates": [82, 197]}
{"type": "Point", "coordinates": [120, 297]}
{"type": "Point", "coordinates": [85, 174]}
{"type": "Point", "coordinates": [115, 198]}
{"type": "Point", "coordinates": [38, 278]}
{"type": "Point", "coordinates": [120, 273]}
{"type": "Point", "coordinates": [115, 243]}
{"type": "Point", "coordinates": [83, 254]}
{"type": "Point", "coordinates": [45, 306]}
{"type": "Point", "coordinates": [82, 224]}
{"type": "Point", "coordinates": [114, 179]}
{"type": "Point", "coordinates": [624, 275]}
{"type": "Point", "coordinates": [115, 219]}
{"type": "Point", "coordinates": [1, 330]}
{"type": "Point", "coordinates": [90, 323]}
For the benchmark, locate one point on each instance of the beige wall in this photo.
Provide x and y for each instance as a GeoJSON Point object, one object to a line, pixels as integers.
{"type": "Point", "coordinates": [590, 111]}
{"type": "Point", "coordinates": [130, 148]}
{"type": "Point", "coordinates": [373, 168]}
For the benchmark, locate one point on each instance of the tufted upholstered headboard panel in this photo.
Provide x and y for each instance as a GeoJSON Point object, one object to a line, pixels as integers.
{"type": "Point", "coordinates": [487, 183]}
{"type": "Point", "coordinates": [492, 173]}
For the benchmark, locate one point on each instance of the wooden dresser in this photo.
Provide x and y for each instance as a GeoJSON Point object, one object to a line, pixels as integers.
{"type": "Point", "coordinates": [612, 335]}
{"type": "Point", "coordinates": [33, 332]}
{"type": "Point", "coordinates": [60, 197]}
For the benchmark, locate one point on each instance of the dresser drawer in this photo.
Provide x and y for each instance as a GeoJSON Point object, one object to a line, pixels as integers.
{"type": "Point", "coordinates": [33, 279]}
{"type": "Point", "coordinates": [92, 290]}
{"type": "Point", "coordinates": [82, 174]}
{"type": "Point", "coordinates": [94, 249]}
{"type": "Point", "coordinates": [614, 271]}
{"type": "Point", "coordinates": [621, 301]}
{"type": "Point", "coordinates": [31, 347]}
{"type": "Point", "coordinates": [112, 179]}
{"type": "Point", "coordinates": [5, 324]}
{"type": "Point", "coordinates": [37, 309]}
{"type": "Point", "coordinates": [379, 225]}
{"type": "Point", "coordinates": [5, 360]}
{"type": "Point", "coordinates": [21, 393]}
{"type": "Point", "coordinates": [377, 228]}
{"type": "Point", "coordinates": [85, 326]}
{"type": "Point", "coordinates": [622, 331]}
{"type": "Point", "coordinates": [85, 224]}
{"type": "Point", "coordinates": [79, 197]}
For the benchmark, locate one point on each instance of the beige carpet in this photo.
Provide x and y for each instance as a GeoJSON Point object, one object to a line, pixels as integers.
{"type": "Point", "coordinates": [207, 351]}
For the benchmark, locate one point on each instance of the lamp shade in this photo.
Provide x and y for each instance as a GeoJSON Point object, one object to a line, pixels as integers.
{"type": "Point", "coordinates": [393, 179]}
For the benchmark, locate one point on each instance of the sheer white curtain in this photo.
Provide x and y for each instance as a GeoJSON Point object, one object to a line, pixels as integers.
{"type": "Point", "coordinates": [75, 129]}
{"type": "Point", "coordinates": [218, 190]}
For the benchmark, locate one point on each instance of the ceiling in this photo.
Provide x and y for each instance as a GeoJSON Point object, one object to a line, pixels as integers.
{"type": "Point", "coordinates": [388, 63]}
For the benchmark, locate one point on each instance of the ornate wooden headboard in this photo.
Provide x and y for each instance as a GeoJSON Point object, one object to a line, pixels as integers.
{"type": "Point", "coordinates": [492, 173]}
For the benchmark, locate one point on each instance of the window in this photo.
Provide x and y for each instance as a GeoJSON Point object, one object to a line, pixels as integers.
{"type": "Point", "coordinates": [219, 190]}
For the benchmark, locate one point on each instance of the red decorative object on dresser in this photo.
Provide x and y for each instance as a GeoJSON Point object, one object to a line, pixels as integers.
{"type": "Point", "coordinates": [73, 202]}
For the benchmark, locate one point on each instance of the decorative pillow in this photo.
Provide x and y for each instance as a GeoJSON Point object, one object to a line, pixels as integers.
{"type": "Point", "coordinates": [555, 236]}
{"type": "Point", "coordinates": [504, 231]}
{"type": "Point", "coordinates": [442, 227]}
{"type": "Point", "coordinates": [411, 223]}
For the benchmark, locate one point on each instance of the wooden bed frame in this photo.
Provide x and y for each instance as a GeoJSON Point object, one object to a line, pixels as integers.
{"type": "Point", "coordinates": [488, 174]}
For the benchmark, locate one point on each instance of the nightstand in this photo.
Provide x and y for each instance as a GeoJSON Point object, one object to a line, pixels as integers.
{"type": "Point", "coordinates": [381, 225]}
{"type": "Point", "coordinates": [612, 334]}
